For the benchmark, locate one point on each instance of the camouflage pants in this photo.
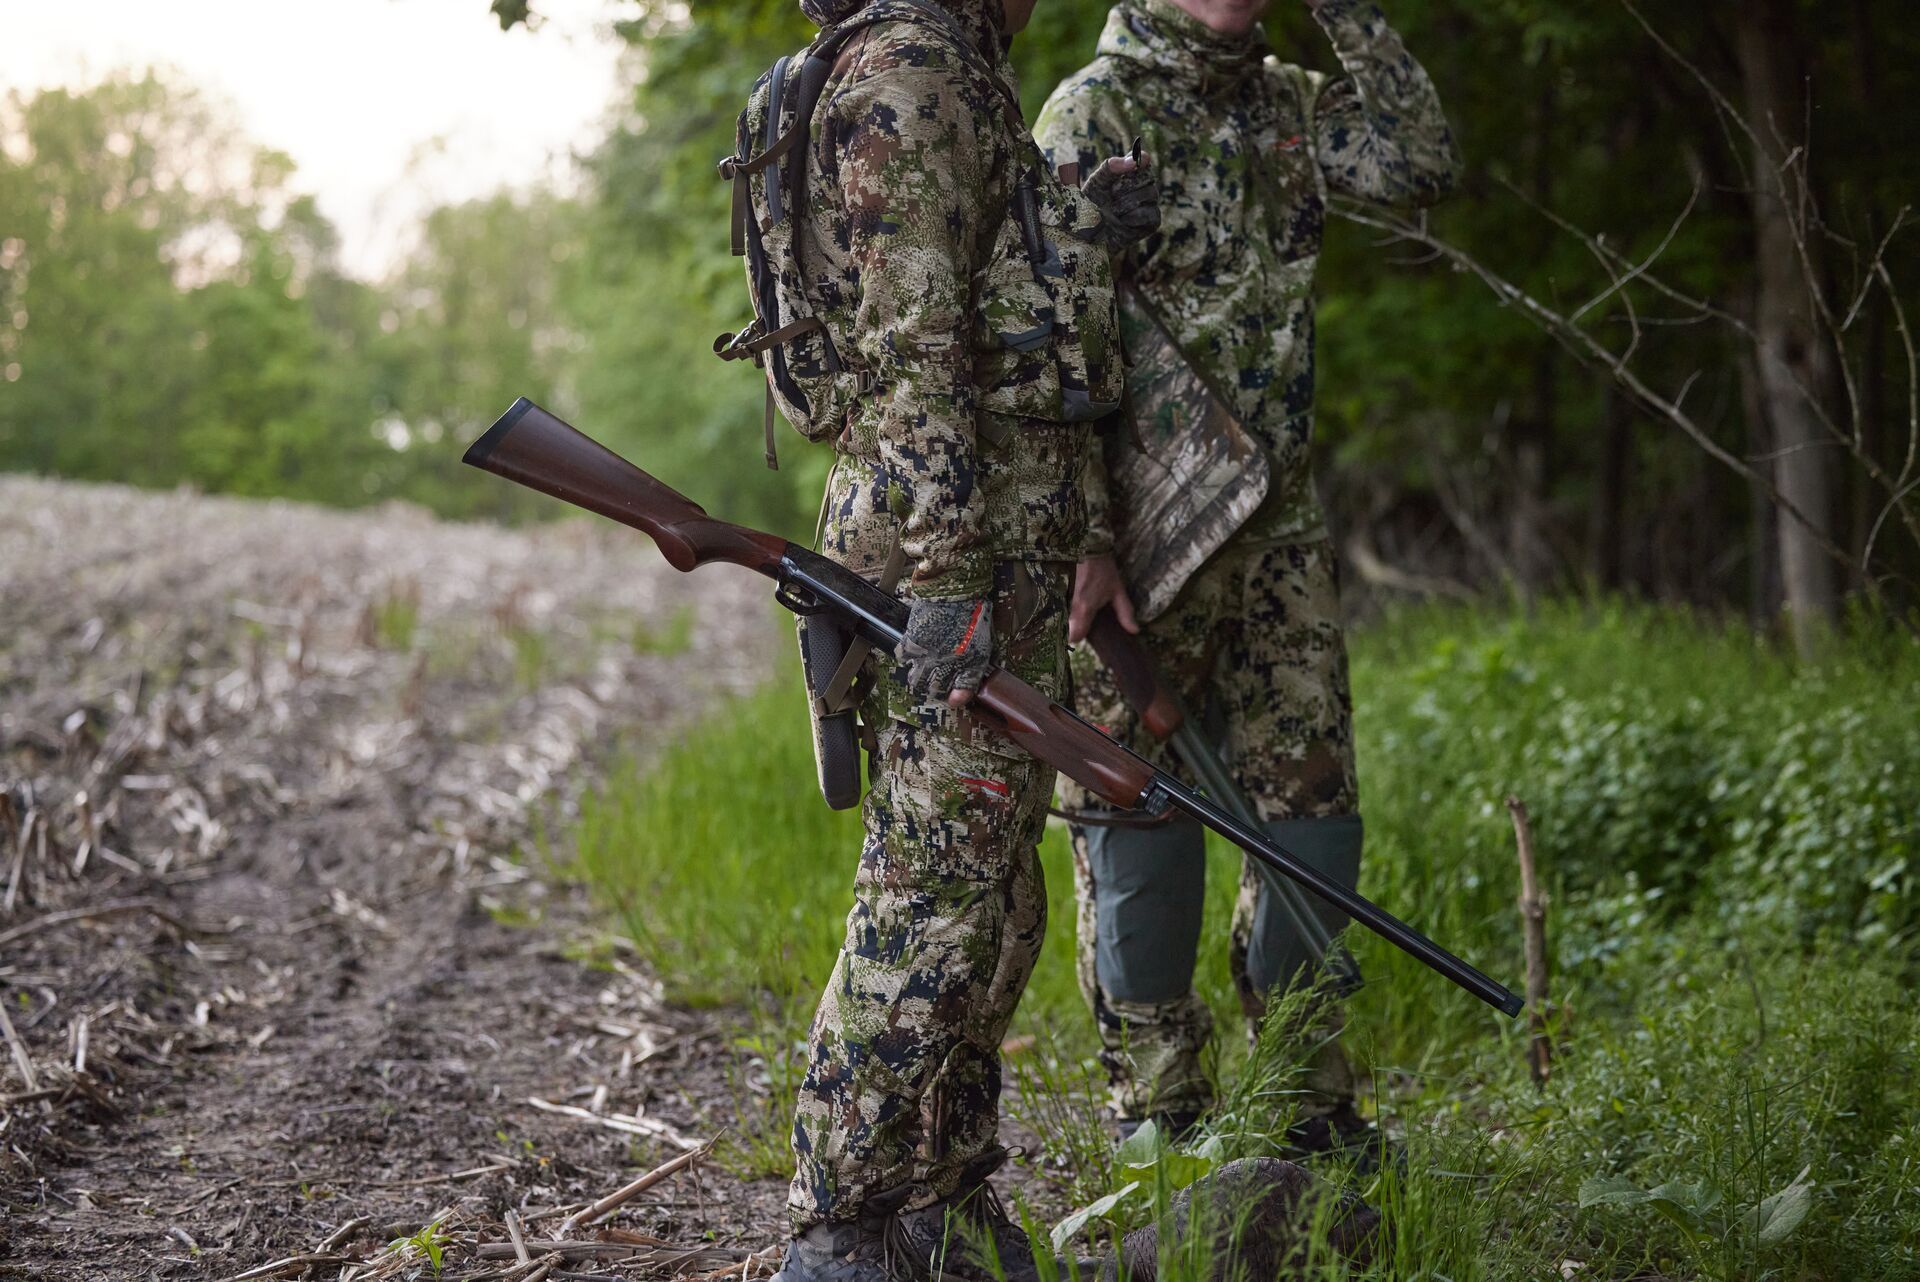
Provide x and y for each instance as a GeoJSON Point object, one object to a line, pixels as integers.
{"type": "Point", "coordinates": [903, 1085]}
{"type": "Point", "coordinates": [1255, 645]}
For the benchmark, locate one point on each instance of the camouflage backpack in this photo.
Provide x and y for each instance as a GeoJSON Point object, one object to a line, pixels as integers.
{"type": "Point", "coordinates": [807, 380]}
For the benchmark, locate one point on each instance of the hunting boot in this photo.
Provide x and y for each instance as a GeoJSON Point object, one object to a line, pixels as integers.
{"type": "Point", "coordinates": [967, 1236]}
{"type": "Point", "coordinates": [1343, 1133]}
{"type": "Point", "coordinates": [844, 1251]}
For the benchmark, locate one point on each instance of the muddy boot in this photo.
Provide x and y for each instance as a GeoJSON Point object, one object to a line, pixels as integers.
{"type": "Point", "coordinates": [1256, 1212]}
{"type": "Point", "coordinates": [1343, 1133]}
{"type": "Point", "coordinates": [963, 1237]}
{"type": "Point", "coordinates": [844, 1251]}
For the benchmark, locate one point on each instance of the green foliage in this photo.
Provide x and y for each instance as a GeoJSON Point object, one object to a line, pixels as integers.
{"type": "Point", "coordinates": [430, 1244]}
{"type": "Point", "coordinates": [396, 617]}
{"type": "Point", "coordinates": [1672, 769]}
{"type": "Point", "coordinates": [1736, 1033]}
{"type": "Point", "coordinates": [174, 314]}
{"type": "Point", "coordinates": [666, 842]}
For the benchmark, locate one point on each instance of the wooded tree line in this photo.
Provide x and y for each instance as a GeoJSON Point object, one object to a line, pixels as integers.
{"type": "Point", "coordinates": [1656, 345]}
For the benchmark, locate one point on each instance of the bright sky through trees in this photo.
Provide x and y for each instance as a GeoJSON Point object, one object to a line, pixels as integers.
{"type": "Point", "coordinates": [388, 107]}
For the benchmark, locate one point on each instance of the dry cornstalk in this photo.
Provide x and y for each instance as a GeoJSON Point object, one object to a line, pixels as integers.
{"type": "Point", "coordinates": [291, 1261]}
{"type": "Point", "coordinates": [619, 1197]}
{"type": "Point", "coordinates": [624, 1122]}
{"type": "Point", "coordinates": [84, 806]}
{"type": "Point", "coordinates": [752, 1266]}
{"type": "Point", "coordinates": [450, 1177]}
{"type": "Point", "coordinates": [1533, 925]}
{"type": "Point", "coordinates": [19, 1049]}
{"type": "Point", "coordinates": [519, 1239]}
{"type": "Point", "coordinates": [27, 826]}
{"type": "Point", "coordinates": [344, 1232]}
{"type": "Point", "coordinates": [118, 908]}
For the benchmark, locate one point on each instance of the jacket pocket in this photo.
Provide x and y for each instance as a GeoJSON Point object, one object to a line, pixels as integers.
{"type": "Point", "coordinates": [1047, 332]}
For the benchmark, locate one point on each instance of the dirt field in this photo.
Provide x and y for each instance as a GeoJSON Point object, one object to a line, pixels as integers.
{"type": "Point", "coordinates": [272, 944]}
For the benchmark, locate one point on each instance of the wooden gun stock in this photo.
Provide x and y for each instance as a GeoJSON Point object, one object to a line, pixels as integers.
{"type": "Point", "coordinates": [1134, 672]}
{"type": "Point", "coordinates": [532, 447]}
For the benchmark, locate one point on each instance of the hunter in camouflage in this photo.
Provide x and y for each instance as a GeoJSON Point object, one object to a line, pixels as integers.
{"type": "Point", "coordinates": [984, 345]}
{"type": "Point", "coordinates": [1248, 150]}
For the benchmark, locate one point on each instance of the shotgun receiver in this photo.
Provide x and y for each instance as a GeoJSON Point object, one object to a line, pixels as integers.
{"type": "Point", "coordinates": [532, 447]}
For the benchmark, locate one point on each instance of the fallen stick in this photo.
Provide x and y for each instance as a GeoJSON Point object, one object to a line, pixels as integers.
{"type": "Point", "coordinates": [292, 1261]}
{"type": "Point", "coordinates": [545, 1267]}
{"type": "Point", "coordinates": [624, 1122]}
{"type": "Point", "coordinates": [344, 1232]}
{"type": "Point", "coordinates": [19, 1049]}
{"type": "Point", "coordinates": [1533, 926]}
{"type": "Point", "coordinates": [120, 908]}
{"type": "Point", "coordinates": [620, 1196]}
{"type": "Point", "coordinates": [549, 1212]}
{"type": "Point", "coordinates": [519, 1241]}
{"type": "Point", "coordinates": [572, 1250]}
{"type": "Point", "coordinates": [468, 1174]}
{"type": "Point", "coordinates": [749, 1267]}
{"type": "Point", "coordinates": [19, 861]}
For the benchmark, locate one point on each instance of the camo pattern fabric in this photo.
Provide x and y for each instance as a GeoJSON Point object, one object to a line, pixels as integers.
{"type": "Point", "coordinates": [1248, 150]}
{"type": "Point", "coordinates": [903, 1083]}
{"type": "Point", "coordinates": [1255, 641]}
{"type": "Point", "coordinates": [989, 346]}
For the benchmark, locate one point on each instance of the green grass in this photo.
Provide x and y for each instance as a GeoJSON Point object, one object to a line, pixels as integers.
{"type": "Point", "coordinates": [1732, 846]}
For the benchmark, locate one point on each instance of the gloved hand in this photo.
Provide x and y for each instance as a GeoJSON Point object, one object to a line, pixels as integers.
{"type": "Point", "coordinates": [1128, 198]}
{"type": "Point", "coordinates": [947, 646]}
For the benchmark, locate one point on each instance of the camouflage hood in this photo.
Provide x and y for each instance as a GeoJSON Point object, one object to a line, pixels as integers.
{"type": "Point", "coordinates": [981, 18]}
{"type": "Point", "coordinates": [1156, 36]}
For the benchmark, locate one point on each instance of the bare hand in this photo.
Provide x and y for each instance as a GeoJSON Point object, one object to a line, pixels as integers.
{"type": "Point", "coordinates": [1096, 585]}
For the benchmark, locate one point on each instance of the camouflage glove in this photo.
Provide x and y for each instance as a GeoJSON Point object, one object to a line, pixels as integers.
{"type": "Point", "coordinates": [1129, 205]}
{"type": "Point", "coordinates": [947, 646]}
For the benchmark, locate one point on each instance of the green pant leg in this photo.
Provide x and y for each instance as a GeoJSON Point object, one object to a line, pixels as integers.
{"type": "Point", "coordinates": [903, 1082]}
{"type": "Point", "coordinates": [1139, 893]}
{"type": "Point", "coordinates": [963, 1106]}
{"type": "Point", "coordinates": [1285, 690]}
{"type": "Point", "coordinates": [921, 993]}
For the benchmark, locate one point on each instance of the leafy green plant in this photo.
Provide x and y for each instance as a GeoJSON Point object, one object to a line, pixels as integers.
{"type": "Point", "coordinates": [430, 1243]}
{"type": "Point", "coordinates": [1701, 1211]}
{"type": "Point", "coordinates": [669, 637]}
{"type": "Point", "coordinates": [396, 616]}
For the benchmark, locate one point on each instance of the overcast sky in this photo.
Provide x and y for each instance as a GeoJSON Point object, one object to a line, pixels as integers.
{"type": "Point", "coordinates": [358, 92]}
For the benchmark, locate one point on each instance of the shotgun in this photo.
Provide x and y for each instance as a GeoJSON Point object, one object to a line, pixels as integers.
{"type": "Point", "coordinates": [533, 448]}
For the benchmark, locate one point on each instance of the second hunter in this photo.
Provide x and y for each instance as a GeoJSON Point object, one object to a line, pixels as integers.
{"type": "Point", "coordinates": [931, 300]}
{"type": "Point", "coordinates": [1242, 610]}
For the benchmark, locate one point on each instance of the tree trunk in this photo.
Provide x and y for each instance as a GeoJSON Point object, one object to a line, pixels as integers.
{"type": "Point", "coordinates": [1530, 434]}
{"type": "Point", "coordinates": [1794, 362]}
{"type": "Point", "coordinates": [1873, 375]}
{"type": "Point", "coordinates": [1763, 565]}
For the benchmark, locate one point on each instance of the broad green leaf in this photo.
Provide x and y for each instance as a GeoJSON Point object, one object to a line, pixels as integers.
{"type": "Point", "coordinates": [1064, 1231]}
{"type": "Point", "coordinates": [1775, 1219]}
{"type": "Point", "coordinates": [1180, 1169]}
{"type": "Point", "coordinates": [1141, 1147]}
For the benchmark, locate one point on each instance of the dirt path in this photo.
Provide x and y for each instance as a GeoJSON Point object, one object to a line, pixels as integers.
{"type": "Point", "coordinates": [310, 746]}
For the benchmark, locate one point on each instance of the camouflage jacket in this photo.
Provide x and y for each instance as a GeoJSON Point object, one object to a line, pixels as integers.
{"type": "Point", "coordinates": [989, 347]}
{"type": "Point", "coordinates": [1248, 149]}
